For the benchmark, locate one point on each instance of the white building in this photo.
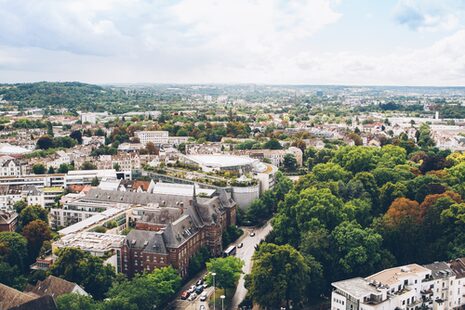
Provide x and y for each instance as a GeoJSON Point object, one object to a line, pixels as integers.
{"type": "Point", "coordinates": [159, 138]}
{"type": "Point", "coordinates": [411, 287]}
{"type": "Point", "coordinates": [11, 167]}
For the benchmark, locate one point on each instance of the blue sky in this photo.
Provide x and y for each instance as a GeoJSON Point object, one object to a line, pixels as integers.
{"type": "Point", "coordinates": [356, 42]}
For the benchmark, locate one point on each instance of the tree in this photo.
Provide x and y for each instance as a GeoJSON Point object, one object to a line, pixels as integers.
{"type": "Point", "coordinates": [227, 269]}
{"type": "Point", "coordinates": [76, 135]}
{"type": "Point", "coordinates": [73, 301]}
{"type": "Point", "coordinates": [356, 158]}
{"type": "Point", "coordinates": [357, 251]}
{"type": "Point", "coordinates": [272, 144]}
{"type": "Point", "coordinates": [389, 192]}
{"type": "Point", "coordinates": [151, 148]}
{"type": "Point", "coordinates": [13, 249]}
{"type": "Point", "coordinates": [84, 269]}
{"type": "Point", "coordinates": [49, 129]}
{"type": "Point", "coordinates": [36, 232]}
{"type": "Point", "coordinates": [331, 172]}
{"type": "Point", "coordinates": [270, 282]}
{"type": "Point", "coordinates": [87, 165]}
{"type": "Point", "coordinates": [64, 168]}
{"type": "Point", "coordinates": [44, 143]}
{"type": "Point", "coordinates": [31, 213]}
{"type": "Point", "coordinates": [320, 204]}
{"type": "Point", "coordinates": [12, 276]}
{"type": "Point", "coordinates": [289, 163]}
{"type": "Point", "coordinates": [51, 170]}
{"type": "Point", "coordinates": [38, 169]}
{"type": "Point", "coordinates": [147, 291]}
{"type": "Point", "coordinates": [116, 166]}
{"type": "Point", "coordinates": [95, 181]}
{"type": "Point", "coordinates": [20, 205]}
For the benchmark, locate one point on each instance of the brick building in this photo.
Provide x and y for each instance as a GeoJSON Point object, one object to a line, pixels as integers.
{"type": "Point", "coordinates": [170, 236]}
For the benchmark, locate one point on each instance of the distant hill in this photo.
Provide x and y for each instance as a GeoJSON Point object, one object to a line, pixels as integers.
{"type": "Point", "coordinates": [71, 95]}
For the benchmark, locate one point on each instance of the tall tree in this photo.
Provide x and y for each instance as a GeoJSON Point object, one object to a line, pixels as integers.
{"type": "Point", "coordinates": [271, 283]}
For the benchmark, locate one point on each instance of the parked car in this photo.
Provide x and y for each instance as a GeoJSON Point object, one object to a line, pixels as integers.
{"type": "Point", "coordinates": [252, 234]}
{"type": "Point", "coordinates": [203, 296]}
{"type": "Point", "coordinates": [192, 289]}
{"type": "Point", "coordinates": [202, 307]}
{"type": "Point", "coordinates": [199, 289]}
{"type": "Point", "coordinates": [199, 282]}
{"type": "Point", "coordinates": [240, 245]}
{"type": "Point", "coordinates": [185, 295]}
{"type": "Point", "coordinates": [205, 285]}
{"type": "Point", "coordinates": [192, 296]}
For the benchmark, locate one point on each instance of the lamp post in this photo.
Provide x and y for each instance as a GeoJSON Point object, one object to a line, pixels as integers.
{"type": "Point", "coordinates": [222, 301]}
{"type": "Point", "coordinates": [214, 290]}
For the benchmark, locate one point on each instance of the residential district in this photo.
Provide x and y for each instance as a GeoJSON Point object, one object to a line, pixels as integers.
{"type": "Point", "coordinates": [231, 197]}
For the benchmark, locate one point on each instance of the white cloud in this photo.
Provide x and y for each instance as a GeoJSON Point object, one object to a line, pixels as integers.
{"type": "Point", "coordinates": [429, 15]}
{"type": "Point", "coordinates": [259, 41]}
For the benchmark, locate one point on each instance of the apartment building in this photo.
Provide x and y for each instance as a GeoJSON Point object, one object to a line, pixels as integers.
{"type": "Point", "coordinates": [437, 286]}
{"type": "Point", "coordinates": [12, 167]}
{"type": "Point", "coordinates": [159, 138]}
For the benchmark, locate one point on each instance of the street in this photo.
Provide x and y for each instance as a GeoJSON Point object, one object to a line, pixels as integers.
{"type": "Point", "coordinates": [245, 253]}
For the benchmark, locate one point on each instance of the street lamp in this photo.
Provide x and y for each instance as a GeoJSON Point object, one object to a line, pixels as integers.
{"type": "Point", "coordinates": [214, 289]}
{"type": "Point", "coordinates": [222, 301]}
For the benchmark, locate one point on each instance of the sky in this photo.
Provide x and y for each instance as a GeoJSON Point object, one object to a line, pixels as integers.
{"type": "Point", "coordinates": [349, 42]}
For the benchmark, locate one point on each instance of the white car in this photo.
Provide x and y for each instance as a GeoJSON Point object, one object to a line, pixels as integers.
{"type": "Point", "coordinates": [203, 296]}
{"type": "Point", "coordinates": [192, 297]}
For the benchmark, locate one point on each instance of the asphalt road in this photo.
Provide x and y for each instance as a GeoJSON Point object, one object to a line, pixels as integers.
{"type": "Point", "coordinates": [245, 253]}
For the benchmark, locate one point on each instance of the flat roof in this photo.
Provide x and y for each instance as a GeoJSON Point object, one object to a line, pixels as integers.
{"type": "Point", "coordinates": [79, 226]}
{"type": "Point", "coordinates": [181, 189]}
{"type": "Point", "coordinates": [356, 287]}
{"type": "Point", "coordinates": [392, 275]}
{"type": "Point", "coordinates": [222, 160]}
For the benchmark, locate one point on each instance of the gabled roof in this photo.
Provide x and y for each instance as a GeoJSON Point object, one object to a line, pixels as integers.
{"type": "Point", "coordinates": [10, 297]}
{"type": "Point", "coordinates": [42, 303]}
{"type": "Point", "coordinates": [53, 286]}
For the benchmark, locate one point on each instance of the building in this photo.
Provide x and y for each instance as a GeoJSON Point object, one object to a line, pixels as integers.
{"type": "Point", "coordinates": [159, 138]}
{"type": "Point", "coordinates": [54, 287]}
{"type": "Point", "coordinates": [98, 244]}
{"type": "Point", "coordinates": [12, 167]}
{"type": "Point", "coordinates": [172, 231]}
{"type": "Point", "coordinates": [275, 157]}
{"type": "Point", "coordinates": [10, 194]}
{"type": "Point", "coordinates": [438, 286]}
{"type": "Point", "coordinates": [11, 298]}
{"type": "Point", "coordinates": [8, 220]}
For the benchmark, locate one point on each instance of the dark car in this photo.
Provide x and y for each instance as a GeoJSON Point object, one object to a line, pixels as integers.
{"type": "Point", "coordinates": [199, 289]}
{"type": "Point", "coordinates": [185, 295]}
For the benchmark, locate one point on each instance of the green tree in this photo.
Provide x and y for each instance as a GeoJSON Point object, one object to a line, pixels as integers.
{"type": "Point", "coordinates": [272, 144]}
{"type": "Point", "coordinates": [289, 163]}
{"type": "Point", "coordinates": [73, 301]}
{"type": "Point", "coordinates": [227, 269]}
{"type": "Point", "coordinates": [320, 204]}
{"type": "Point", "coordinates": [147, 291]}
{"type": "Point", "coordinates": [11, 275]}
{"type": "Point", "coordinates": [13, 249]}
{"type": "Point", "coordinates": [95, 181]}
{"type": "Point", "coordinates": [44, 143]}
{"type": "Point", "coordinates": [31, 213]}
{"type": "Point", "coordinates": [87, 165]}
{"type": "Point", "coordinates": [271, 285]}
{"type": "Point", "coordinates": [36, 232]}
{"type": "Point", "coordinates": [357, 251]}
{"type": "Point", "coordinates": [84, 269]}
{"type": "Point", "coordinates": [76, 135]}
{"type": "Point", "coordinates": [330, 172]}
{"type": "Point", "coordinates": [39, 169]}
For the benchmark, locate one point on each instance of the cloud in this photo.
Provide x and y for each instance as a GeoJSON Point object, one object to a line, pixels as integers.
{"type": "Point", "coordinates": [428, 15]}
